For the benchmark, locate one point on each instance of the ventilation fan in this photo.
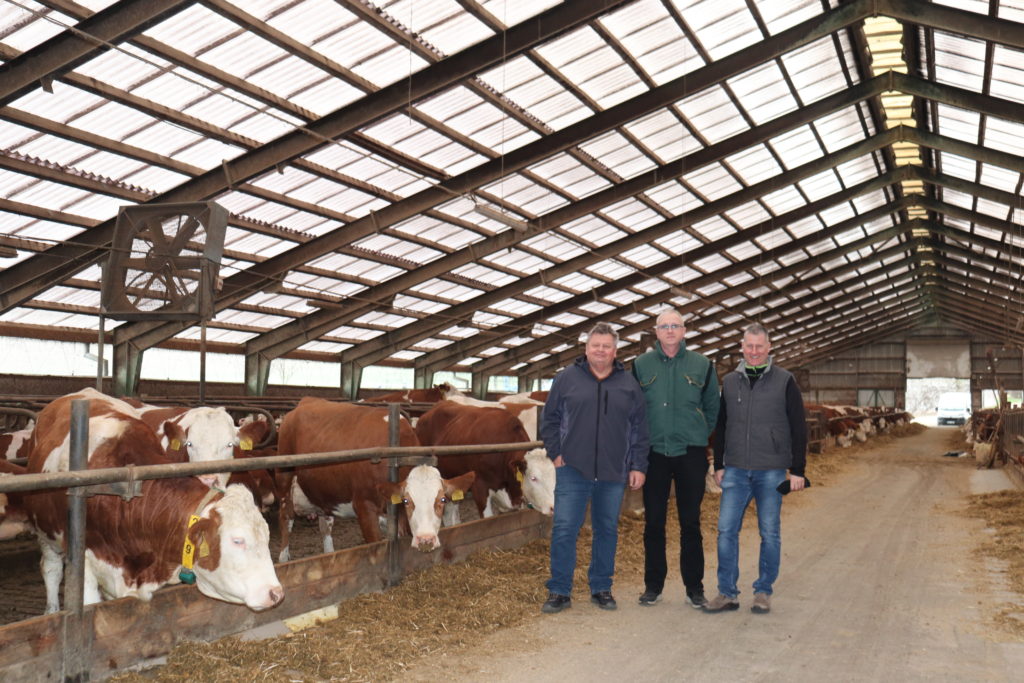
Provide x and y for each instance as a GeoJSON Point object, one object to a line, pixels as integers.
{"type": "Point", "coordinates": [164, 261]}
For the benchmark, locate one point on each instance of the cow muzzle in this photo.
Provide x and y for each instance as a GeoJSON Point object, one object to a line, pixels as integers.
{"type": "Point", "coordinates": [426, 544]}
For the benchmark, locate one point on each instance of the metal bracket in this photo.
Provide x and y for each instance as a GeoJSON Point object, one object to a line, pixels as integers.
{"type": "Point", "coordinates": [126, 489]}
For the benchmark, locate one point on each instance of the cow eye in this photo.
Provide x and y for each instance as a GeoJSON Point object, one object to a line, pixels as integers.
{"type": "Point", "coordinates": [238, 541]}
{"type": "Point", "coordinates": [533, 478]}
{"type": "Point", "coordinates": [444, 499]}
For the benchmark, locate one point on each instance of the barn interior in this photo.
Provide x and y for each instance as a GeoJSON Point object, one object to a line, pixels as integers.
{"type": "Point", "coordinates": [341, 197]}
{"type": "Point", "coordinates": [462, 186]}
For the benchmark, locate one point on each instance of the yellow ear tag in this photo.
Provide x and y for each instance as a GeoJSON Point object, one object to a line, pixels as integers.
{"type": "Point", "coordinates": [396, 499]}
{"type": "Point", "coordinates": [204, 548]}
{"type": "Point", "coordinates": [245, 444]}
{"type": "Point", "coordinates": [519, 476]}
{"type": "Point", "coordinates": [457, 495]}
{"type": "Point", "coordinates": [175, 444]}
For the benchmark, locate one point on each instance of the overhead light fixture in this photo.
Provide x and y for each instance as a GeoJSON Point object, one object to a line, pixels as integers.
{"type": "Point", "coordinates": [8, 252]}
{"type": "Point", "coordinates": [502, 217]}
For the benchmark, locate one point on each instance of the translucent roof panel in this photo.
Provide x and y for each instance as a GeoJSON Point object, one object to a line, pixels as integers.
{"type": "Point", "coordinates": [409, 169]}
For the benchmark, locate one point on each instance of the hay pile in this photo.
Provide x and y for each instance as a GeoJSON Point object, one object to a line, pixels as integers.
{"type": "Point", "coordinates": [441, 610]}
{"type": "Point", "coordinates": [1004, 513]}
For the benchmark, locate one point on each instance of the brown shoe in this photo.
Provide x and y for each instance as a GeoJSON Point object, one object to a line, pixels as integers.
{"type": "Point", "coordinates": [762, 603]}
{"type": "Point", "coordinates": [721, 603]}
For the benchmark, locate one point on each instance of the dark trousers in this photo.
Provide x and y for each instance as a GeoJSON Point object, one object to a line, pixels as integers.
{"type": "Point", "coordinates": [687, 472]}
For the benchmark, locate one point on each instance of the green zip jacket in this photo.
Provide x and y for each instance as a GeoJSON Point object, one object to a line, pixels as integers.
{"type": "Point", "coordinates": [682, 398]}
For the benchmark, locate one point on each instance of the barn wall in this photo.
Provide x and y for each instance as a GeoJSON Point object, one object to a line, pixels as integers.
{"type": "Point", "coordinates": [872, 374]}
{"type": "Point", "coordinates": [996, 367]}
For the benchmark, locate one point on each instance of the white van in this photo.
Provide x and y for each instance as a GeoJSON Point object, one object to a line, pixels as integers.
{"type": "Point", "coordinates": [954, 408]}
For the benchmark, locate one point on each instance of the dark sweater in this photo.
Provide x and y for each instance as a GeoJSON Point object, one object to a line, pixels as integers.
{"type": "Point", "coordinates": [761, 403]}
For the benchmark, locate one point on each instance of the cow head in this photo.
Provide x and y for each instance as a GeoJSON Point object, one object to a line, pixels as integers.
{"type": "Point", "coordinates": [233, 552]}
{"type": "Point", "coordinates": [424, 494]}
{"type": "Point", "coordinates": [538, 479]}
{"type": "Point", "coordinates": [203, 434]}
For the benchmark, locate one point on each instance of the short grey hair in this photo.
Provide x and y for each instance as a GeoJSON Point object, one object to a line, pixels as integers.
{"type": "Point", "coordinates": [669, 311]}
{"type": "Point", "coordinates": [603, 328]}
{"type": "Point", "coordinates": [756, 329]}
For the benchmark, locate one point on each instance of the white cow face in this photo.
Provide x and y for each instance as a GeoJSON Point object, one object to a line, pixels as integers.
{"type": "Point", "coordinates": [539, 481]}
{"type": "Point", "coordinates": [233, 552]}
{"type": "Point", "coordinates": [424, 494]}
{"type": "Point", "coordinates": [206, 434]}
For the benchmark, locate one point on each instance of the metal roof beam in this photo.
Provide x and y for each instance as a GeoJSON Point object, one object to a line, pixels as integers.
{"type": "Point", "coordinates": [77, 45]}
{"type": "Point", "coordinates": [283, 339]}
{"type": "Point", "coordinates": [524, 352]}
{"type": "Point", "coordinates": [25, 279]}
{"type": "Point", "coordinates": [420, 330]}
{"type": "Point", "coordinates": [694, 307]}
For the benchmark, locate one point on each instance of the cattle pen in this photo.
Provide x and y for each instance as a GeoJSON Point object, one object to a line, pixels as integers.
{"type": "Point", "coordinates": [100, 639]}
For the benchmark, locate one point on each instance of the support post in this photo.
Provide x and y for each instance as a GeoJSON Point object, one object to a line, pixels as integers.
{"type": "Point", "coordinates": [127, 369]}
{"type": "Point", "coordinates": [77, 634]}
{"type": "Point", "coordinates": [479, 389]}
{"type": "Point", "coordinates": [394, 559]}
{"type": "Point", "coordinates": [351, 379]}
{"type": "Point", "coordinates": [423, 378]}
{"type": "Point", "coordinates": [257, 374]}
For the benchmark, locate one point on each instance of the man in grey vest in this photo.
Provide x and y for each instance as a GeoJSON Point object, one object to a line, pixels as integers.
{"type": "Point", "coordinates": [760, 434]}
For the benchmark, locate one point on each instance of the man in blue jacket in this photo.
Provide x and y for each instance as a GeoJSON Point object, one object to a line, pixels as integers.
{"type": "Point", "coordinates": [761, 433]}
{"type": "Point", "coordinates": [595, 431]}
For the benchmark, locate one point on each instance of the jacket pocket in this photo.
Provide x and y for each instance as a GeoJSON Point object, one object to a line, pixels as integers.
{"type": "Point", "coordinates": [694, 381]}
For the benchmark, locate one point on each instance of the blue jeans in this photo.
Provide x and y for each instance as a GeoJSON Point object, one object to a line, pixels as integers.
{"type": "Point", "coordinates": [739, 486]}
{"type": "Point", "coordinates": [572, 493]}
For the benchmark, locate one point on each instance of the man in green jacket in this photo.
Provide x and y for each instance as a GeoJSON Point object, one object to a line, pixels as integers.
{"type": "Point", "coordinates": [681, 389]}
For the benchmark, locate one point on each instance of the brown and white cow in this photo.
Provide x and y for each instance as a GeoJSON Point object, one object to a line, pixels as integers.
{"type": "Point", "coordinates": [438, 393]}
{"type": "Point", "coordinates": [528, 410]}
{"type": "Point", "coordinates": [261, 482]}
{"type": "Point", "coordinates": [350, 488]}
{"type": "Point", "coordinates": [510, 478]}
{"type": "Point", "coordinates": [13, 520]}
{"type": "Point", "coordinates": [135, 547]}
{"type": "Point", "coordinates": [194, 435]}
{"type": "Point", "coordinates": [525, 397]}
{"type": "Point", "coordinates": [16, 444]}
{"type": "Point", "coordinates": [425, 495]}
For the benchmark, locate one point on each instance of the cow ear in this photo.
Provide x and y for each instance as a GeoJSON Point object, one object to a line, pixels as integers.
{"type": "Point", "coordinates": [252, 433]}
{"type": "Point", "coordinates": [518, 467]}
{"type": "Point", "coordinates": [390, 491]}
{"type": "Point", "coordinates": [205, 536]}
{"type": "Point", "coordinates": [175, 435]}
{"type": "Point", "coordinates": [456, 487]}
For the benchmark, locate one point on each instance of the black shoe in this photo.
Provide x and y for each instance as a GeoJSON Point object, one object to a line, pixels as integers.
{"type": "Point", "coordinates": [604, 600]}
{"type": "Point", "coordinates": [696, 600]}
{"type": "Point", "coordinates": [556, 603]}
{"type": "Point", "coordinates": [650, 598]}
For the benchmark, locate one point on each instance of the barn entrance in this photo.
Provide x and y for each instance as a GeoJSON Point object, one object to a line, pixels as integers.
{"type": "Point", "coordinates": [935, 367]}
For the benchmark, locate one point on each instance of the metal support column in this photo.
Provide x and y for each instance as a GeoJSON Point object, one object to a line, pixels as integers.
{"type": "Point", "coordinates": [394, 559]}
{"type": "Point", "coordinates": [257, 374]}
{"type": "Point", "coordinates": [127, 369]}
{"type": "Point", "coordinates": [480, 381]}
{"type": "Point", "coordinates": [77, 633]}
{"type": "Point", "coordinates": [351, 378]}
{"type": "Point", "coordinates": [423, 378]}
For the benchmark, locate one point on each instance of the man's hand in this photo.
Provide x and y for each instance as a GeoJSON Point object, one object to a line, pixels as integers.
{"type": "Point", "coordinates": [718, 476]}
{"type": "Point", "coordinates": [636, 479]}
{"type": "Point", "coordinates": [558, 461]}
{"type": "Point", "coordinates": [796, 482]}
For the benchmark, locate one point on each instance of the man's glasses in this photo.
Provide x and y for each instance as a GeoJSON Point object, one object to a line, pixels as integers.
{"type": "Point", "coordinates": [671, 326]}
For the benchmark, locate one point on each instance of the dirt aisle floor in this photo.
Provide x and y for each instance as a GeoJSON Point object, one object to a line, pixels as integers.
{"type": "Point", "coordinates": [879, 582]}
